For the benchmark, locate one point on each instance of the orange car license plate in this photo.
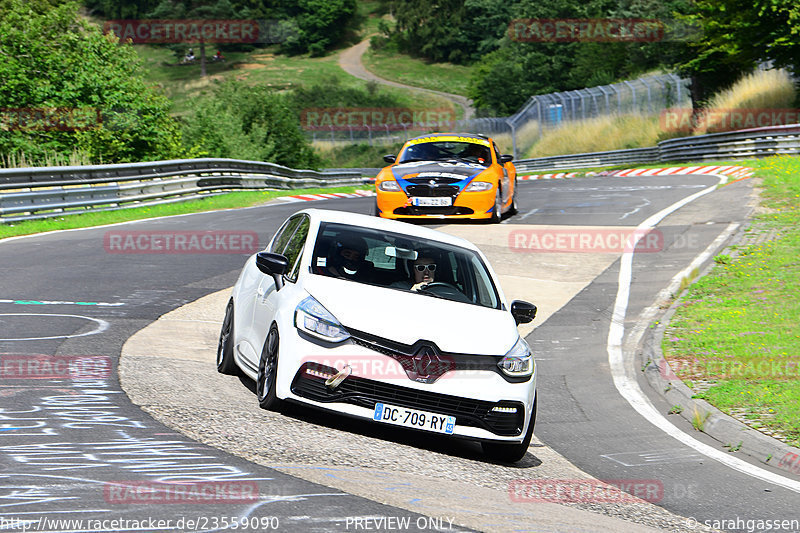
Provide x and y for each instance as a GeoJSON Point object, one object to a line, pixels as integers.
{"type": "Point", "coordinates": [436, 201]}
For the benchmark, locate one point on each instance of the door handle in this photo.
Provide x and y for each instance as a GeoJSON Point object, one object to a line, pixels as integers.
{"type": "Point", "coordinates": [260, 291]}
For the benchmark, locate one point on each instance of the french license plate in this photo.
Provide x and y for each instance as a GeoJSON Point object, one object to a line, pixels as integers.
{"type": "Point", "coordinates": [435, 201]}
{"type": "Point", "coordinates": [412, 418]}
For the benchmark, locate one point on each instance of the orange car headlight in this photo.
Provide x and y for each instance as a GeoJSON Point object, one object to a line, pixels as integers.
{"type": "Point", "coordinates": [477, 186]}
{"type": "Point", "coordinates": [389, 186]}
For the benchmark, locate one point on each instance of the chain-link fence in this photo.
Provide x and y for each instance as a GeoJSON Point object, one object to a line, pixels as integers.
{"type": "Point", "coordinates": [644, 96]}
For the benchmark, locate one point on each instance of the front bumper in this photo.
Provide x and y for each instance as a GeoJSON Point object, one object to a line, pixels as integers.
{"type": "Point", "coordinates": [468, 395]}
{"type": "Point", "coordinates": [473, 205]}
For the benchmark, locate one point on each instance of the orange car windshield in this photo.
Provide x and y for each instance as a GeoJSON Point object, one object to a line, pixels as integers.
{"type": "Point", "coordinates": [447, 151]}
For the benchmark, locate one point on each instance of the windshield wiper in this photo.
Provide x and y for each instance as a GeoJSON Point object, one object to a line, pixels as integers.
{"type": "Point", "coordinates": [422, 290]}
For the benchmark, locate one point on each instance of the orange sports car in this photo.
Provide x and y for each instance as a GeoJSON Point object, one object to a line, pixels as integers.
{"type": "Point", "coordinates": [447, 175]}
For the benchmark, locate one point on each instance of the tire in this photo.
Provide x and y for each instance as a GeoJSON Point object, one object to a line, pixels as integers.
{"type": "Point", "coordinates": [268, 371]}
{"type": "Point", "coordinates": [511, 453]}
{"type": "Point", "coordinates": [512, 210]}
{"type": "Point", "coordinates": [375, 210]}
{"type": "Point", "coordinates": [225, 362]}
{"type": "Point", "coordinates": [498, 206]}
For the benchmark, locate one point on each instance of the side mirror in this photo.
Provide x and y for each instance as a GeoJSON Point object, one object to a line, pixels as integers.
{"type": "Point", "coordinates": [274, 265]}
{"type": "Point", "coordinates": [390, 158]}
{"type": "Point", "coordinates": [523, 312]}
{"type": "Point", "coordinates": [506, 159]}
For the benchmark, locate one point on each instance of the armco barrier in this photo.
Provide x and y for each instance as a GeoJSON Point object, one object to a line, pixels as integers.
{"type": "Point", "coordinates": [27, 193]}
{"type": "Point", "coordinates": [595, 159]}
{"type": "Point", "coordinates": [741, 144]}
{"type": "Point", "coordinates": [30, 193]}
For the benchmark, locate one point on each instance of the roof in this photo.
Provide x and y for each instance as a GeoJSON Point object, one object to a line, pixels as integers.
{"type": "Point", "coordinates": [475, 135]}
{"type": "Point", "coordinates": [383, 224]}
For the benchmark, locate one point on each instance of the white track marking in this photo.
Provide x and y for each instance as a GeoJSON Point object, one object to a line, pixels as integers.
{"type": "Point", "coordinates": [102, 325]}
{"type": "Point", "coordinates": [623, 371]}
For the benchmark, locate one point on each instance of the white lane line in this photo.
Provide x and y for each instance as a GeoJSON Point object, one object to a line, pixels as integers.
{"type": "Point", "coordinates": [636, 210]}
{"type": "Point", "coordinates": [624, 374]}
{"type": "Point", "coordinates": [102, 325]}
{"type": "Point", "coordinates": [56, 302]}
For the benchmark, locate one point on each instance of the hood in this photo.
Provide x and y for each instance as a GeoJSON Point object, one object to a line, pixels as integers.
{"type": "Point", "coordinates": [456, 174]}
{"type": "Point", "coordinates": [407, 317]}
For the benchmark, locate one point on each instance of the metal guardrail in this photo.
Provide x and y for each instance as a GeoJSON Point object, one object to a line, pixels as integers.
{"type": "Point", "coordinates": [757, 142]}
{"type": "Point", "coordinates": [30, 193]}
{"type": "Point", "coordinates": [44, 192]}
{"type": "Point", "coordinates": [741, 144]}
{"type": "Point", "coordinates": [594, 159]}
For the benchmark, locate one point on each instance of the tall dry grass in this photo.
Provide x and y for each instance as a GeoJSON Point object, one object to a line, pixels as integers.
{"type": "Point", "coordinates": [600, 134]}
{"type": "Point", "coordinates": [526, 136]}
{"type": "Point", "coordinates": [762, 90]}
{"type": "Point", "coordinates": [49, 159]}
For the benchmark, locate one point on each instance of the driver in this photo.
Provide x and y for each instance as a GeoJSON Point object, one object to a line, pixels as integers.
{"type": "Point", "coordinates": [424, 271]}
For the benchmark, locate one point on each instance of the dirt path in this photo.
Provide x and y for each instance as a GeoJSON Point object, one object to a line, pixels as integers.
{"type": "Point", "coordinates": [350, 61]}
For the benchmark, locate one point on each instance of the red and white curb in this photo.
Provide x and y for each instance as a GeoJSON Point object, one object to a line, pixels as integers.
{"type": "Point", "coordinates": [326, 196]}
{"type": "Point", "coordinates": [732, 171]}
{"type": "Point", "coordinates": [561, 175]}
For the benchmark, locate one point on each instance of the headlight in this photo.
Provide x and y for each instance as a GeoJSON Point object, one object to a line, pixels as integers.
{"type": "Point", "coordinates": [518, 362]}
{"type": "Point", "coordinates": [389, 185]}
{"type": "Point", "coordinates": [476, 186]}
{"type": "Point", "coordinates": [311, 317]}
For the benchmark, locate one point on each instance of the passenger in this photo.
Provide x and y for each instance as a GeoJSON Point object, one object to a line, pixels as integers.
{"type": "Point", "coordinates": [348, 258]}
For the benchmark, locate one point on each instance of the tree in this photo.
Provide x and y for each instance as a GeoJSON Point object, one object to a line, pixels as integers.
{"type": "Point", "coordinates": [251, 123]}
{"type": "Point", "coordinates": [457, 31]}
{"type": "Point", "coordinates": [89, 88]}
{"type": "Point", "coordinates": [504, 79]}
{"type": "Point", "coordinates": [738, 35]}
{"type": "Point", "coordinates": [317, 25]}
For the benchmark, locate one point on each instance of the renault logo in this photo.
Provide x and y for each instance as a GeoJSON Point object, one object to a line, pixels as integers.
{"type": "Point", "coordinates": [425, 360]}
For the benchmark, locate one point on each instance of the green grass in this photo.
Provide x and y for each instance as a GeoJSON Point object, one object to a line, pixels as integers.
{"type": "Point", "coordinates": [445, 77]}
{"type": "Point", "coordinates": [370, 11]}
{"type": "Point", "coordinates": [355, 155]}
{"type": "Point", "coordinates": [738, 327]}
{"type": "Point", "coordinates": [183, 84]}
{"type": "Point", "coordinates": [89, 219]}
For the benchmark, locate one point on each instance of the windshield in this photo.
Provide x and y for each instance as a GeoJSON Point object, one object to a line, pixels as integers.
{"type": "Point", "coordinates": [404, 263]}
{"type": "Point", "coordinates": [446, 150]}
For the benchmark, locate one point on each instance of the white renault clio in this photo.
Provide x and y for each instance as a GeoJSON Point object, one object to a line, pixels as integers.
{"type": "Point", "coordinates": [384, 321]}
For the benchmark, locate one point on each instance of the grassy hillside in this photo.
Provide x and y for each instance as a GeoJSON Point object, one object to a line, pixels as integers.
{"type": "Point", "coordinates": [183, 83]}
{"type": "Point", "coordinates": [445, 77]}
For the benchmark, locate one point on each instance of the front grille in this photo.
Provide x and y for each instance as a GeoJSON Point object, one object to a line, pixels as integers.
{"type": "Point", "coordinates": [432, 210]}
{"type": "Point", "coordinates": [438, 180]}
{"type": "Point", "coordinates": [366, 393]}
{"type": "Point", "coordinates": [432, 190]}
